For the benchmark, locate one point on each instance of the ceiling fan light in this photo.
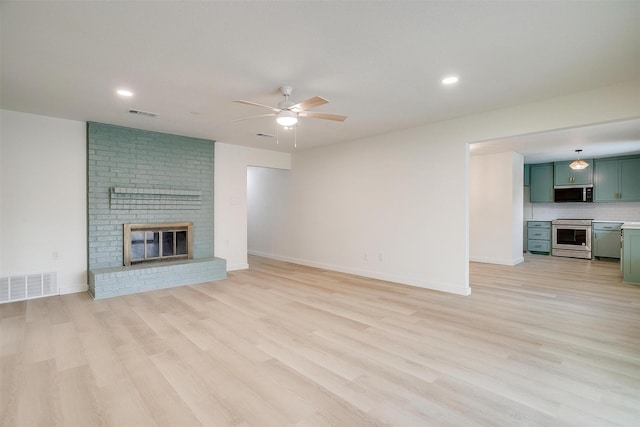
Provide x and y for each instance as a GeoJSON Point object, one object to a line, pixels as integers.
{"type": "Point", "coordinates": [287, 118]}
{"type": "Point", "coordinates": [579, 164]}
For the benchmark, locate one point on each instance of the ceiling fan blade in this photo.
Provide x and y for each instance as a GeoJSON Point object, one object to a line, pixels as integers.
{"type": "Point", "coordinates": [325, 116]}
{"type": "Point", "coordinates": [308, 104]}
{"type": "Point", "coordinates": [255, 117]}
{"type": "Point", "coordinates": [255, 104]}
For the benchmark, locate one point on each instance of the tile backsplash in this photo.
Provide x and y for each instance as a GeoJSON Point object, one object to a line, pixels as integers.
{"type": "Point", "coordinates": [615, 211]}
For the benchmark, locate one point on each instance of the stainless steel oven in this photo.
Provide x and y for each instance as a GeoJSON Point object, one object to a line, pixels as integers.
{"type": "Point", "coordinates": [571, 238]}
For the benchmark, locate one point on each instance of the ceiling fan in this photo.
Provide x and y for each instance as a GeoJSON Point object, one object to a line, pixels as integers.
{"type": "Point", "coordinates": [287, 112]}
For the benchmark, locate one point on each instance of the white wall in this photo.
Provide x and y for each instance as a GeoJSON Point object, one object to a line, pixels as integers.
{"type": "Point", "coordinates": [230, 198]}
{"type": "Point", "coordinates": [1, 180]}
{"type": "Point", "coordinates": [360, 211]}
{"type": "Point", "coordinates": [517, 200]}
{"type": "Point", "coordinates": [496, 208]}
{"type": "Point", "coordinates": [43, 198]}
{"type": "Point", "coordinates": [268, 201]}
{"type": "Point", "coordinates": [383, 207]}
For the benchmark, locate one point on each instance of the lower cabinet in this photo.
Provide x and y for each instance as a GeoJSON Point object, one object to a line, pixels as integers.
{"type": "Point", "coordinates": [539, 237]}
{"type": "Point", "coordinates": [606, 239]}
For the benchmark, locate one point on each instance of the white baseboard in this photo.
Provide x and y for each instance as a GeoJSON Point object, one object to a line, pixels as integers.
{"type": "Point", "coordinates": [518, 260]}
{"type": "Point", "coordinates": [499, 261]}
{"type": "Point", "coordinates": [73, 289]}
{"type": "Point", "coordinates": [367, 273]}
{"type": "Point", "coordinates": [237, 267]}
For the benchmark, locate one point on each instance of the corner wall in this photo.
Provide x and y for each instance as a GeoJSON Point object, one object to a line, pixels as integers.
{"type": "Point", "coordinates": [231, 163]}
{"type": "Point", "coordinates": [496, 208]}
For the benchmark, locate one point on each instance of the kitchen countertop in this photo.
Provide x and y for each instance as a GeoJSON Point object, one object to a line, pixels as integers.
{"type": "Point", "coordinates": [634, 225]}
{"type": "Point", "coordinates": [615, 221]}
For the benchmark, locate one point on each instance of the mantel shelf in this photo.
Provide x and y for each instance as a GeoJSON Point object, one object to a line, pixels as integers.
{"type": "Point", "coordinates": [156, 191]}
{"type": "Point", "coordinates": [128, 198]}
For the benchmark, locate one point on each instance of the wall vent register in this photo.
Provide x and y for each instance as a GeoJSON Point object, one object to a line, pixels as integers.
{"type": "Point", "coordinates": [27, 286]}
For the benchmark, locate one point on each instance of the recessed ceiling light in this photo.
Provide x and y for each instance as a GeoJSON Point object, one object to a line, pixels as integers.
{"type": "Point", "coordinates": [124, 92]}
{"type": "Point", "coordinates": [450, 80]}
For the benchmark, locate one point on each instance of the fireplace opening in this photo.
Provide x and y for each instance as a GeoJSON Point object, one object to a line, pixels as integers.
{"type": "Point", "coordinates": [157, 242]}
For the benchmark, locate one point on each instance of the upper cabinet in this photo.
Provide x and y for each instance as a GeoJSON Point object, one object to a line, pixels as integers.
{"type": "Point", "coordinates": [541, 183]}
{"type": "Point", "coordinates": [564, 175]}
{"type": "Point", "coordinates": [607, 185]}
{"type": "Point", "coordinates": [617, 180]}
{"type": "Point", "coordinates": [614, 179]}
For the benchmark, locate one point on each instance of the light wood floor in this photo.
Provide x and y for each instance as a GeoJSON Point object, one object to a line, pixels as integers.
{"type": "Point", "coordinates": [549, 342]}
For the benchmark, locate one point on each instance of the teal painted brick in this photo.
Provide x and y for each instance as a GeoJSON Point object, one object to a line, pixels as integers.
{"type": "Point", "coordinates": [104, 283]}
{"type": "Point", "coordinates": [124, 157]}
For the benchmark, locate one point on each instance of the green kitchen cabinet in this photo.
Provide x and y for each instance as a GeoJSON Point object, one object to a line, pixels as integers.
{"type": "Point", "coordinates": [539, 237]}
{"type": "Point", "coordinates": [564, 175]}
{"type": "Point", "coordinates": [631, 255]}
{"type": "Point", "coordinates": [617, 180]}
{"type": "Point", "coordinates": [541, 183]}
{"type": "Point", "coordinates": [607, 180]}
{"type": "Point", "coordinates": [630, 179]}
{"type": "Point", "coordinates": [526, 174]}
{"type": "Point", "coordinates": [605, 241]}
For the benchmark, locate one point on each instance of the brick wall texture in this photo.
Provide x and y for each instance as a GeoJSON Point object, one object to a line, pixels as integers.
{"type": "Point", "coordinates": [119, 157]}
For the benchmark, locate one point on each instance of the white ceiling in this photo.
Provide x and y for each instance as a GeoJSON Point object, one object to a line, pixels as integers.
{"type": "Point", "coordinates": [380, 63]}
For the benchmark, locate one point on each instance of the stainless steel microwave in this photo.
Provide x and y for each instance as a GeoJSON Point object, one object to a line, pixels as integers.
{"type": "Point", "coordinates": [578, 193]}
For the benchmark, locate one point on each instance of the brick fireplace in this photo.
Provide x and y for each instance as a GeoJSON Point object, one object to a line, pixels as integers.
{"type": "Point", "coordinates": [158, 187]}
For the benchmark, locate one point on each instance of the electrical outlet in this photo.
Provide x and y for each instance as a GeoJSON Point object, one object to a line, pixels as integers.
{"type": "Point", "coordinates": [380, 257]}
{"type": "Point", "coordinates": [55, 255]}
{"type": "Point", "coordinates": [364, 257]}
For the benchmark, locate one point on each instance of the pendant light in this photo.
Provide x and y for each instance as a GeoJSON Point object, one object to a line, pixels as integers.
{"type": "Point", "coordinates": [579, 164]}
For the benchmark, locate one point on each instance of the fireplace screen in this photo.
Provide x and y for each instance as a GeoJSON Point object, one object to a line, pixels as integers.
{"type": "Point", "coordinates": [157, 242]}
